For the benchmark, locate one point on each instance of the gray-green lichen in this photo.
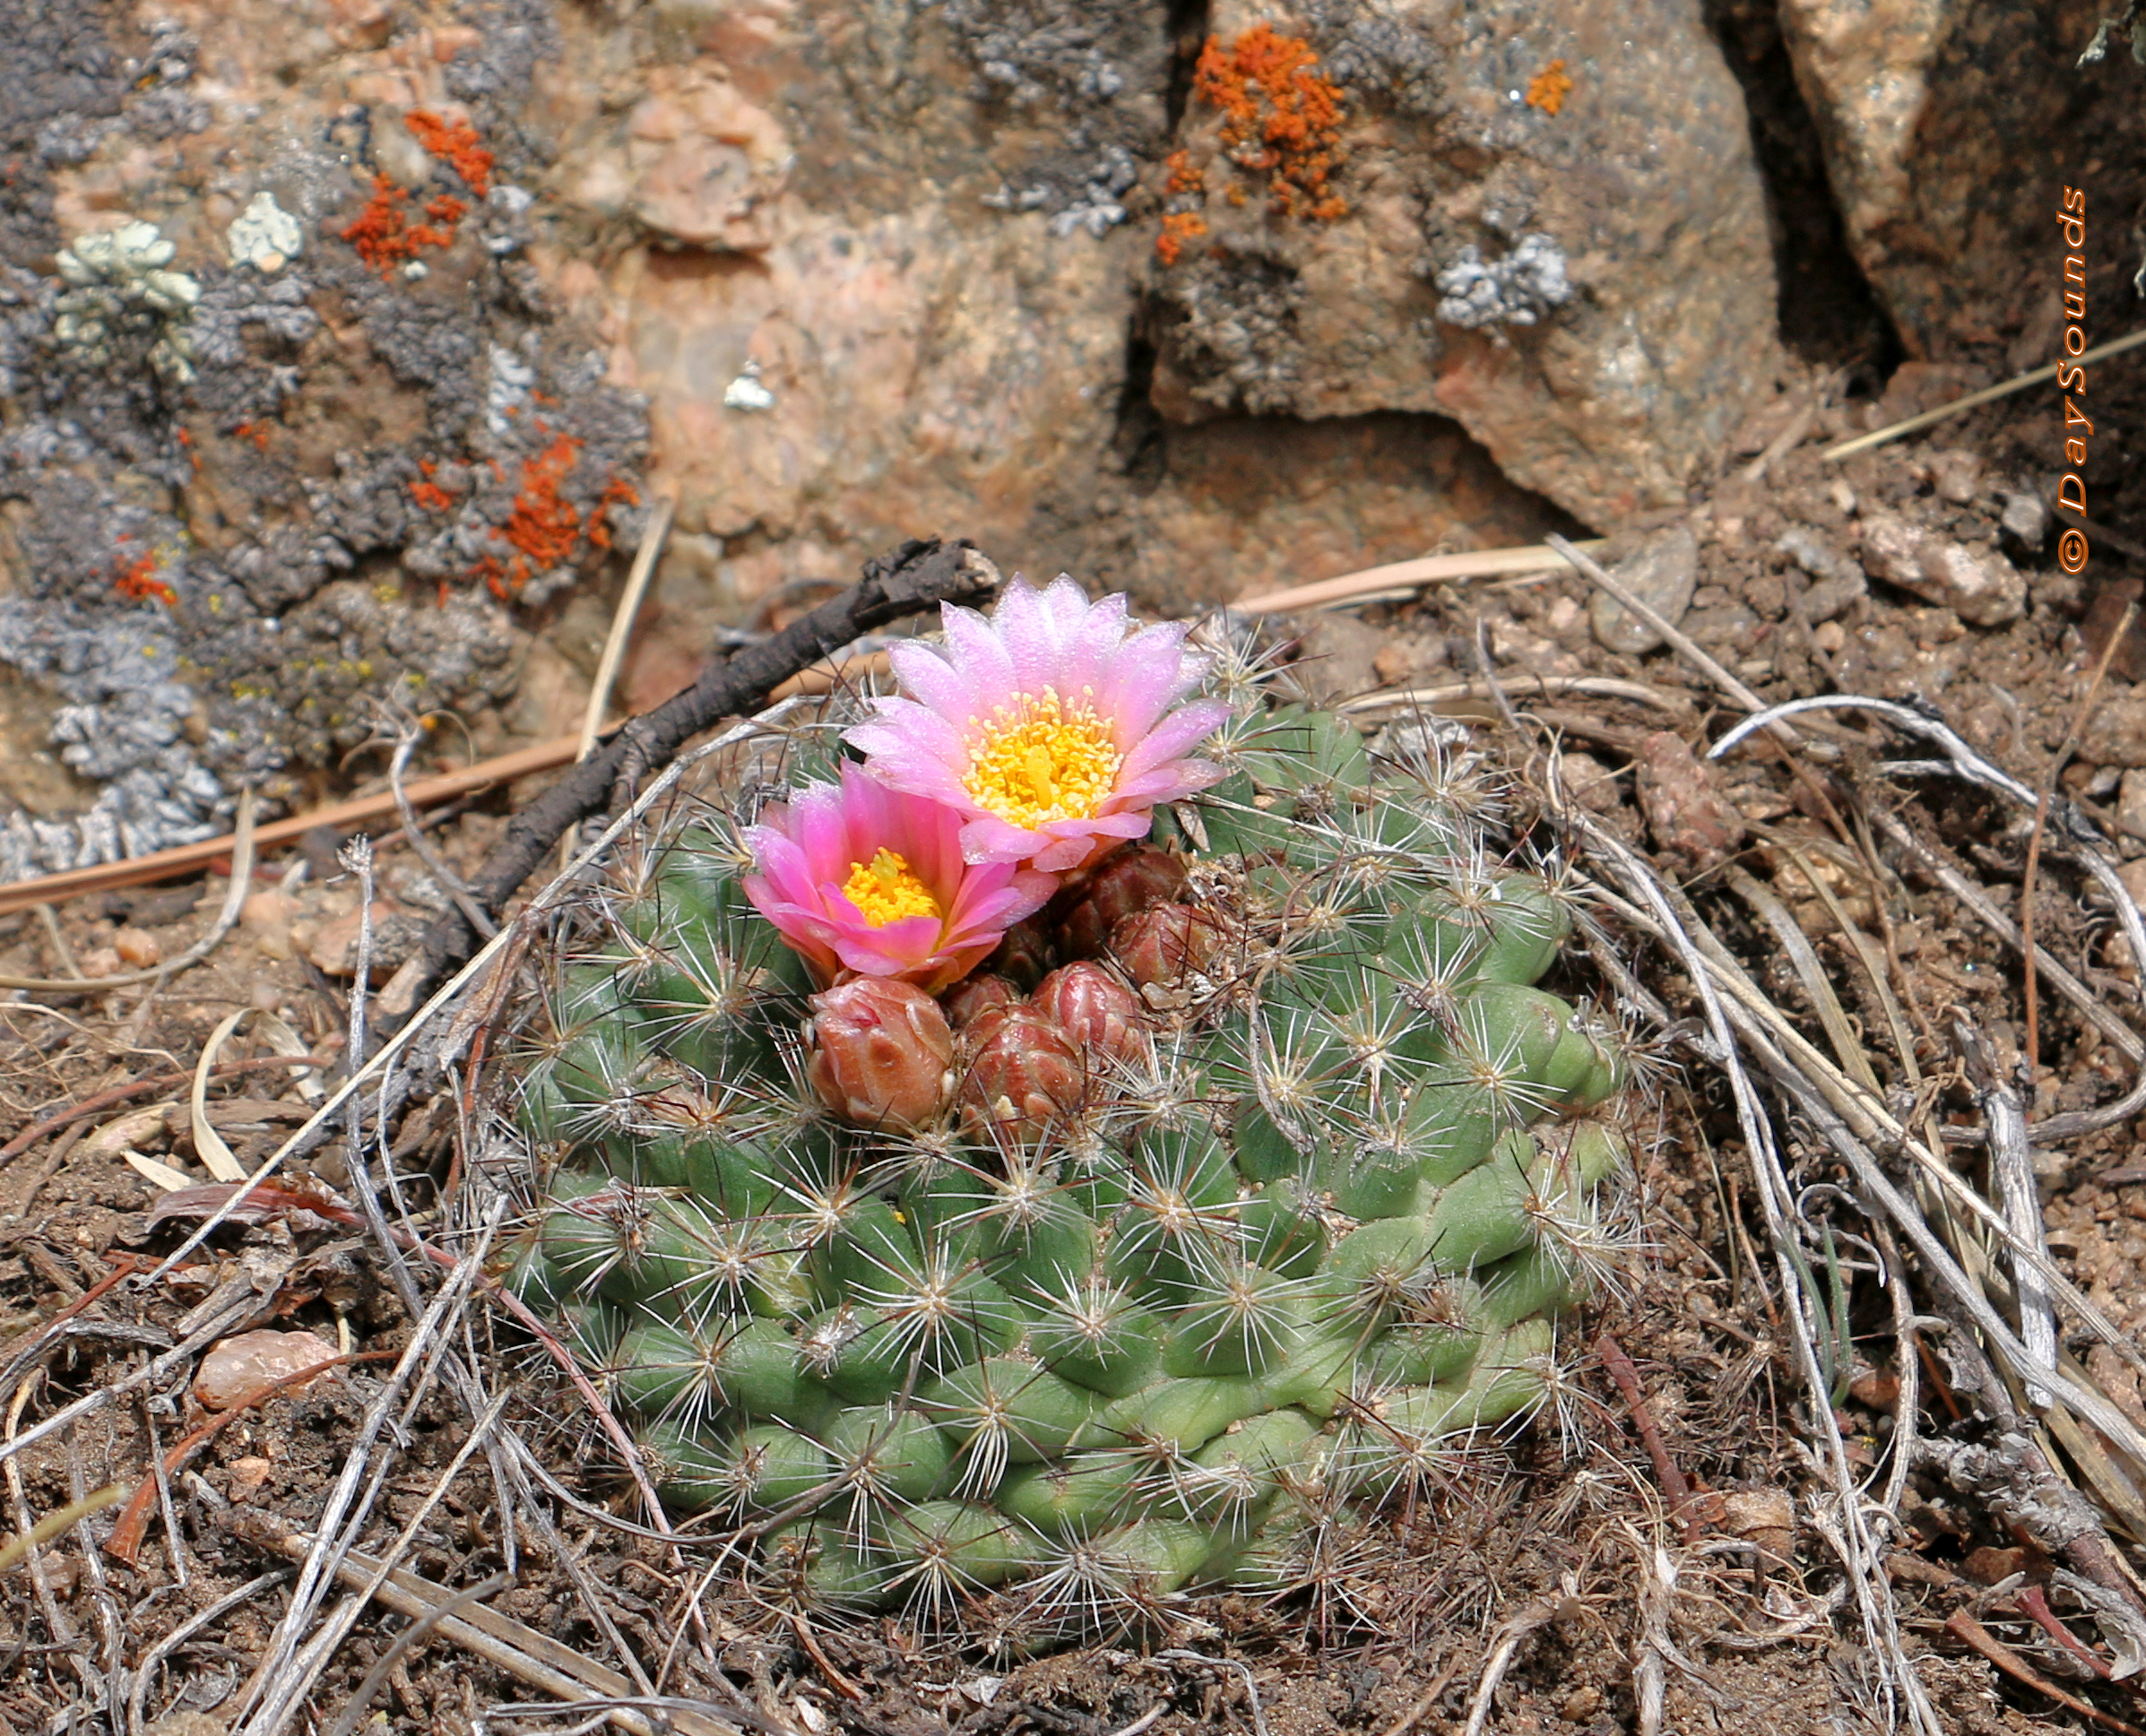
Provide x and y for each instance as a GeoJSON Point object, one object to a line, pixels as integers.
{"type": "Point", "coordinates": [120, 289]}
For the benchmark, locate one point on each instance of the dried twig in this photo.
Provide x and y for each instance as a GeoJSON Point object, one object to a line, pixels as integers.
{"type": "Point", "coordinates": [1727, 1021]}
{"type": "Point", "coordinates": [1412, 576]}
{"type": "Point", "coordinates": [57, 1523]}
{"type": "Point", "coordinates": [184, 859]}
{"type": "Point", "coordinates": [2011, 1167]}
{"type": "Point", "coordinates": [1599, 687]}
{"type": "Point", "coordinates": [1988, 394]}
{"type": "Point", "coordinates": [1964, 1627]}
{"type": "Point", "coordinates": [1671, 634]}
{"type": "Point", "coordinates": [653, 535]}
{"type": "Point", "coordinates": [521, 1652]}
{"type": "Point", "coordinates": [2031, 1043]}
{"type": "Point", "coordinates": [414, 834]}
{"type": "Point", "coordinates": [234, 899]}
{"type": "Point", "coordinates": [124, 1543]}
{"type": "Point", "coordinates": [104, 1100]}
{"type": "Point", "coordinates": [1423, 1702]}
{"type": "Point", "coordinates": [346, 1720]}
{"type": "Point", "coordinates": [1619, 1367]}
{"type": "Point", "coordinates": [1501, 1655]}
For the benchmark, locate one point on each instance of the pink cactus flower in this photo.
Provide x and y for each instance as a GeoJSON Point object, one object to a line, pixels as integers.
{"type": "Point", "coordinates": [859, 877]}
{"type": "Point", "coordinates": [1048, 728]}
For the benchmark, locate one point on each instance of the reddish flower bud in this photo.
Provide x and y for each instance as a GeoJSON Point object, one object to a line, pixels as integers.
{"type": "Point", "coordinates": [882, 1053]}
{"type": "Point", "coordinates": [1131, 881]}
{"type": "Point", "coordinates": [1022, 956]}
{"type": "Point", "coordinates": [1026, 1075]}
{"type": "Point", "coordinates": [1093, 1007]}
{"type": "Point", "coordinates": [967, 1002]}
{"type": "Point", "coordinates": [1160, 945]}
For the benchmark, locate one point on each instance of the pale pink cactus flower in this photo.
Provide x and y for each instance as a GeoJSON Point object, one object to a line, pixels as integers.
{"type": "Point", "coordinates": [1048, 727]}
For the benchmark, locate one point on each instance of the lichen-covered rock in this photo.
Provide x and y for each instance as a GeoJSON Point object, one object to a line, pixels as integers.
{"type": "Point", "coordinates": [906, 304]}
{"type": "Point", "coordinates": [290, 428]}
{"type": "Point", "coordinates": [1551, 229]}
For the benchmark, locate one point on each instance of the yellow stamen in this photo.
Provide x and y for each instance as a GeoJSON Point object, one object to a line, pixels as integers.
{"type": "Point", "coordinates": [885, 890]}
{"type": "Point", "coordinates": [1047, 761]}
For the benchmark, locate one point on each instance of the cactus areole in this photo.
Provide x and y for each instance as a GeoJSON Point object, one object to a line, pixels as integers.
{"type": "Point", "coordinates": [1093, 1137]}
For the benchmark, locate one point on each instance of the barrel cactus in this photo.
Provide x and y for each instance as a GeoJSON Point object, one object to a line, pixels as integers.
{"type": "Point", "coordinates": [1076, 1143]}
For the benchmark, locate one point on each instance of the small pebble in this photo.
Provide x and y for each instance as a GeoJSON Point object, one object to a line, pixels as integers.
{"type": "Point", "coordinates": [1662, 573]}
{"type": "Point", "coordinates": [138, 948]}
{"type": "Point", "coordinates": [1687, 813]}
{"type": "Point", "coordinates": [234, 1367]}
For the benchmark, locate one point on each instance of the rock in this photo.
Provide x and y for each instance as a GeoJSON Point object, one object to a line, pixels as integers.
{"type": "Point", "coordinates": [2024, 527]}
{"type": "Point", "coordinates": [1662, 573]}
{"type": "Point", "coordinates": [396, 932]}
{"type": "Point", "coordinates": [1690, 818]}
{"type": "Point", "coordinates": [2130, 803]}
{"type": "Point", "coordinates": [2134, 875]}
{"type": "Point", "coordinates": [1836, 581]}
{"type": "Point", "coordinates": [876, 326]}
{"type": "Point", "coordinates": [235, 1366]}
{"type": "Point", "coordinates": [138, 948]}
{"type": "Point", "coordinates": [1957, 475]}
{"type": "Point", "coordinates": [1978, 585]}
{"type": "Point", "coordinates": [1585, 282]}
{"type": "Point", "coordinates": [1334, 657]}
{"type": "Point", "coordinates": [1921, 107]}
{"type": "Point", "coordinates": [1731, 627]}
{"type": "Point", "coordinates": [1765, 1517]}
{"type": "Point", "coordinates": [1591, 783]}
{"type": "Point", "coordinates": [2115, 730]}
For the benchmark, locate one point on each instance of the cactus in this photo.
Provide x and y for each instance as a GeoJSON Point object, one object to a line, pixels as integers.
{"type": "Point", "coordinates": [1262, 1196]}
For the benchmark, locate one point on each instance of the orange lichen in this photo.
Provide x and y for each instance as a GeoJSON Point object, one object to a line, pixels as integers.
{"type": "Point", "coordinates": [616, 492]}
{"type": "Point", "coordinates": [257, 432]}
{"type": "Point", "coordinates": [1549, 87]}
{"type": "Point", "coordinates": [432, 496]}
{"type": "Point", "coordinates": [1178, 228]}
{"type": "Point", "coordinates": [137, 580]}
{"type": "Point", "coordinates": [542, 528]}
{"type": "Point", "coordinates": [454, 143]}
{"type": "Point", "coordinates": [1280, 119]}
{"type": "Point", "coordinates": [385, 238]}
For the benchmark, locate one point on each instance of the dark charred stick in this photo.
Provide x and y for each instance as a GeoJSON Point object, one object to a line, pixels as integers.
{"type": "Point", "coordinates": [917, 576]}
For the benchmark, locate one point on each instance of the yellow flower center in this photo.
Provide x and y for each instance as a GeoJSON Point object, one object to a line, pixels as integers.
{"type": "Point", "coordinates": [885, 890]}
{"type": "Point", "coordinates": [1048, 761]}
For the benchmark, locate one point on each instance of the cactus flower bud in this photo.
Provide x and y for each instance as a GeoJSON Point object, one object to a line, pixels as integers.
{"type": "Point", "coordinates": [1161, 943]}
{"type": "Point", "coordinates": [1022, 956]}
{"type": "Point", "coordinates": [1026, 1073]}
{"type": "Point", "coordinates": [1131, 881]}
{"type": "Point", "coordinates": [1093, 1007]}
{"type": "Point", "coordinates": [882, 1053]}
{"type": "Point", "coordinates": [985, 992]}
